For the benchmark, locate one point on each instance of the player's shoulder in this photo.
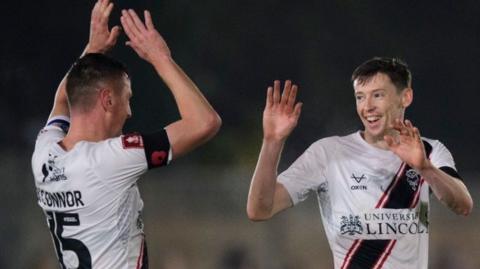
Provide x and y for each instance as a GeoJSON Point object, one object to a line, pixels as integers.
{"type": "Point", "coordinates": [334, 141]}
{"type": "Point", "coordinates": [124, 143]}
{"type": "Point", "coordinates": [434, 143]}
{"type": "Point", "coordinates": [54, 130]}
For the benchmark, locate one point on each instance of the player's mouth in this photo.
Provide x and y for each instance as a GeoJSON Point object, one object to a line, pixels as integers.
{"type": "Point", "coordinates": [373, 121]}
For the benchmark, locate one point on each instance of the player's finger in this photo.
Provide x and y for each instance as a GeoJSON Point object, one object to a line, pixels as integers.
{"type": "Point", "coordinates": [292, 96]}
{"type": "Point", "coordinates": [276, 92]}
{"type": "Point", "coordinates": [269, 102]}
{"type": "Point", "coordinates": [103, 5]}
{"type": "Point", "coordinates": [107, 11]}
{"type": "Point", "coordinates": [96, 7]}
{"type": "Point", "coordinates": [409, 127]}
{"type": "Point", "coordinates": [128, 26]}
{"type": "Point", "coordinates": [287, 87]}
{"type": "Point", "coordinates": [136, 20]}
{"type": "Point", "coordinates": [396, 125]}
{"type": "Point", "coordinates": [94, 16]}
{"type": "Point", "coordinates": [148, 20]}
{"type": "Point", "coordinates": [131, 22]}
{"type": "Point", "coordinates": [416, 133]}
{"type": "Point", "coordinates": [400, 126]}
{"type": "Point", "coordinates": [298, 109]}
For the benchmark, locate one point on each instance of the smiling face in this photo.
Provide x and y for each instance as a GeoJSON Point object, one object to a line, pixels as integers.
{"type": "Point", "coordinates": [379, 103]}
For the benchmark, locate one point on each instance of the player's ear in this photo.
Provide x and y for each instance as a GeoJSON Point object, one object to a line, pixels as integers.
{"type": "Point", "coordinates": [106, 99]}
{"type": "Point", "coordinates": [407, 97]}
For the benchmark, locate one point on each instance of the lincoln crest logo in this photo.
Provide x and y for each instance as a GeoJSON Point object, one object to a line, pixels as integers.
{"type": "Point", "coordinates": [412, 178]}
{"type": "Point", "coordinates": [351, 225]}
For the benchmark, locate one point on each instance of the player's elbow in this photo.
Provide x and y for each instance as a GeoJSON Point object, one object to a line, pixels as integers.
{"type": "Point", "coordinates": [209, 126]}
{"type": "Point", "coordinates": [466, 208]}
{"type": "Point", "coordinates": [463, 207]}
{"type": "Point", "coordinates": [213, 124]}
{"type": "Point", "coordinates": [255, 214]}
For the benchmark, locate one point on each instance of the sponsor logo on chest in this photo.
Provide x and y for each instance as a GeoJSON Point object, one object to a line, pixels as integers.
{"type": "Point", "coordinates": [383, 224]}
{"type": "Point", "coordinates": [358, 182]}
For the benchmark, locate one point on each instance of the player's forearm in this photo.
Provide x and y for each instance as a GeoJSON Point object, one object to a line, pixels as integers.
{"type": "Point", "coordinates": [192, 105]}
{"type": "Point", "coordinates": [261, 195]}
{"type": "Point", "coordinates": [60, 105]}
{"type": "Point", "coordinates": [449, 190]}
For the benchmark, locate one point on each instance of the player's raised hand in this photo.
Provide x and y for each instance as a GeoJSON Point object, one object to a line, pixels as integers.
{"type": "Point", "coordinates": [408, 144]}
{"type": "Point", "coordinates": [144, 38]}
{"type": "Point", "coordinates": [281, 111]}
{"type": "Point", "coordinates": [101, 38]}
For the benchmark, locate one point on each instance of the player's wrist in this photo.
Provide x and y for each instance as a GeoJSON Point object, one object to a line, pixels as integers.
{"type": "Point", "coordinates": [273, 140]}
{"type": "Point", "coordinates": [425, 166]}
{"type": "Point", "coordinates": [161, 59]}
{"type": "Point", "coordinates": [92, 48]}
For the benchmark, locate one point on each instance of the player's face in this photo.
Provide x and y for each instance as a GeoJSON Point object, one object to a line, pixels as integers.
{"type": "Point", "coordinates": [379, 104]}
{"type": "Point", "coordinates": [122, 106]}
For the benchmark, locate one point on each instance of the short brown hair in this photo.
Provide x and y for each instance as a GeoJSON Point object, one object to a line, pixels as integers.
{"type": "Point", "coordinates": [396, 69]}
{"type": "Point", "coordinates": [85, 77]}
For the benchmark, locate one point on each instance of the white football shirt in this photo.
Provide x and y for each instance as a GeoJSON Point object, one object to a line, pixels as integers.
{"type": "Point", "coordinates": [90, 197]}
{"type": "Point", "coordinates": [374, 208]}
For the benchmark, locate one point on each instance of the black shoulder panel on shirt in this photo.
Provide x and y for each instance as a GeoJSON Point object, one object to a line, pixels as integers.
{"type": "Point", "coordinates": [428, 148]}
{"type": "Point", "coordinates": [451, 172]}
{"type": "Point", "coordinates": [157, 148]}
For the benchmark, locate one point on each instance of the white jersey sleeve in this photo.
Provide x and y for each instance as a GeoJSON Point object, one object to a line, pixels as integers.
{"type": "Point", "coordinates": [118, 166]}
{"type": "Point", "coordinates": [441, 158]}
{"type": "Point", "coordinates": [307, 173]}
{"type": "Point", "coordinates": [54, 131]}
{"type": "Point", "coordinates": [120, 161]}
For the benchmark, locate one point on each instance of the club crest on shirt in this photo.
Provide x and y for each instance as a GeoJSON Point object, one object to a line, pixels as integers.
{"type": "Point", "coordinates": [351, 225]}
{"type": "Point", "coordinates": [51, 171]}
{"type": "Point", "coordinates": [133, 140]}
{"type": "Point", "coordinates": [413, 178]}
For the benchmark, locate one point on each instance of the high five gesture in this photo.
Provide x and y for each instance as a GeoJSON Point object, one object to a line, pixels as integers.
{"type": "Point", "coordinates": [281, 112]}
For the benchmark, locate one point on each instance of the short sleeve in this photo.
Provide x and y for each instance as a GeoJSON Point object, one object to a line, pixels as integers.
{"type": "Point", "coordinates": [443, 159]}
{"type": "Point", "coordinates": [117, 163]}
{"type": "Point", "coordinates": [54, 131]}
{"type": "Point", "coordinates": [122, 160]}
{"type": "Point", "coordinates": [306, 173]}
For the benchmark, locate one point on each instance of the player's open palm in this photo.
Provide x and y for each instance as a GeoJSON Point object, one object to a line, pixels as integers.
{"type": "Point", "coordinates": [408, 144]}
{"type": "Point", "coordinates": [101, 38]}
{"type": "Point", "coordinates": [281, 111]}
{"type": "Point", "coordinates": [144, 38]}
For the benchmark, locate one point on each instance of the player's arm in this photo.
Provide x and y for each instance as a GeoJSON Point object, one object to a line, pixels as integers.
{"type": "Point", "coordinates": [101, 39]}
{"type": "Point", "coordinates": [267, 196]}
{"type": "Point", "coordinates": [199, 122]}
{"type": "Point", "coordinates": [448, 189]}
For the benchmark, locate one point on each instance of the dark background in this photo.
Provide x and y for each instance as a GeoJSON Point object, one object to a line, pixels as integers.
{"type": "Point", "coordinates": [233, 50]}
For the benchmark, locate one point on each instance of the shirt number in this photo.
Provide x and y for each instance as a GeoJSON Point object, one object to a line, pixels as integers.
{"type": "Point", "coordinates": [56, 222]}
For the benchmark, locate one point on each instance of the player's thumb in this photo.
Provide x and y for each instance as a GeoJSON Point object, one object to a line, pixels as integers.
{"type": "Point", "coordinates": [114, 33]}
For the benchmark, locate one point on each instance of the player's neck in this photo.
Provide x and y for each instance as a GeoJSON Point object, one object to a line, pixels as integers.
{"type": "Point", "coordinates": [376, 141]}
{"type": "Point", "coordinates": [85, 128]}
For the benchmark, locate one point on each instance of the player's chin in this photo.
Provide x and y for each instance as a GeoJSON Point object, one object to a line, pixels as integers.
{"type": "Point", "coordinates": [376, 133]}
